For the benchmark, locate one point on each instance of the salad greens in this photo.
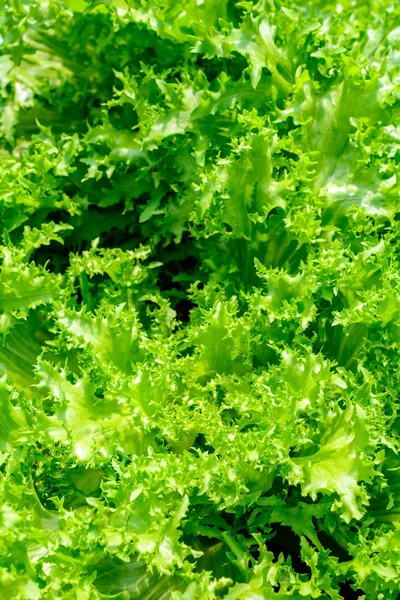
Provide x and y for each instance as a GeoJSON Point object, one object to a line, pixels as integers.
{"type": "Point", "coordinates": [200, 299]}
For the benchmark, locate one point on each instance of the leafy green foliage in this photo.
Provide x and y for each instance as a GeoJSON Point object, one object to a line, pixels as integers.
{"type": "Point", "coordinates": [199, 298]}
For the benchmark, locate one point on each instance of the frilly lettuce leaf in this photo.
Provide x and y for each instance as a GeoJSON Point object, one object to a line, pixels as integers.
{"type": "Point", "coordinates": [199, 300]}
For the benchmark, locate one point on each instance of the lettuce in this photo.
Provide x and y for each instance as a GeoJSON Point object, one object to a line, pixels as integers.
{"type": "Point", "coordinates": [199, 298]}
